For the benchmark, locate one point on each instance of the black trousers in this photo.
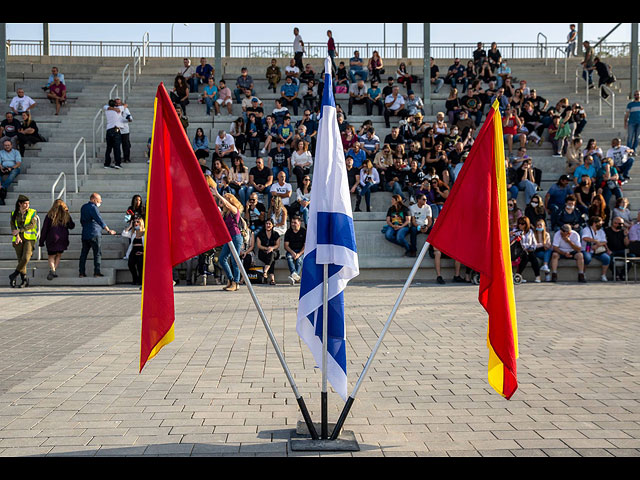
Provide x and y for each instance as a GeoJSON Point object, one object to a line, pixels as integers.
{"type": "Point", "coordinates": [269, 259]}
{"type": "Point", "coordinates": [135, 267]}
{"type": "Point", "coordinates": [114, 142]}
{"type": "Point", "coordinates": [126, 147]}
{"type": "Point", "coordinates": [298, 58]}
{"type": "Point", "coordinates": [529, 257]}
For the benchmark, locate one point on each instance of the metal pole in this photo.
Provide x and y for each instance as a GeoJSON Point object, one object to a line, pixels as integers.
{"type": "Point", "coordinates": [325, 329]}
{"type": "Point", "coordinates": [45, 38]}
{"type": "Point", "coordinates": [227, 40]}
{"type": "Point", "coordinates": [394, 310]}
{"type": "Point", "coordinates": [3, 61]}
{"type": "Point", "coordinates": [218, 50]}
{"type": "Point", "coordinates": [300, 400]}
{"type": "Point", "coordinates": [633, 81]}
{"type": "Point", "coordinates": [426, 68]}
{"type": "Point", "coordinates": [405, 53]}
{"type": "Point", "coordinates": [580, 38]}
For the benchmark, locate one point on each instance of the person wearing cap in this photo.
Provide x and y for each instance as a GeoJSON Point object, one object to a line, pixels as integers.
{"type": "Point", "coordinates": [24, 228]}
{"type": "Point", "coordinates": [567, 244]}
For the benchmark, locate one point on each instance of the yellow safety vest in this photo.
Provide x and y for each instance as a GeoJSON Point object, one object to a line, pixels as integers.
{"type": "Point", "coordinates": [28, 234]}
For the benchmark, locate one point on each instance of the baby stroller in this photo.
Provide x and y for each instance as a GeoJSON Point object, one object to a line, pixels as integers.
{"type": "Point", "coordinates": [516, 252]}
{"type": "Point", "coordinates": [208, 265]}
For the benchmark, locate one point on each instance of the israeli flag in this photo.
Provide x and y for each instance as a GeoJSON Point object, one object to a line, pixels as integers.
{"type": "Point", "coordinates": [330, 240]}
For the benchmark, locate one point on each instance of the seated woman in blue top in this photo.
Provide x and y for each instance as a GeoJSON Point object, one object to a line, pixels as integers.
{"type": "Point", "coordinates": [201, 144]}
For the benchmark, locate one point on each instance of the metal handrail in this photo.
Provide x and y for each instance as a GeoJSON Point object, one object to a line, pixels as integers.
{"type": "Point", "coordinates": [555, 70]}
{"type": "Point", "coordinates": [612, 104]}
{"type": "Point", "coordinates": [579, 69]}
{"type": "Point", "coordinates": [538, 43]}
{"type": "Point", "coordinates": [76, 160]}
{"type": "Point", "coordinates": [137, 64]}
{"type": "Point", "coordinates": [63, 192]}
{"type": "Point", "coordinates": [145, 47]}
{"type": "Point", "coordinates": [126, 82]}
{"type": "Point", "coordinates": [95, 129]}
{"type": "Point", "coordinates": [111, 96]}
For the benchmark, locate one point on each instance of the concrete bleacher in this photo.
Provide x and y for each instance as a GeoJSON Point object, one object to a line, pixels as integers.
{"type": "Point", "coordinates": [89, 81]}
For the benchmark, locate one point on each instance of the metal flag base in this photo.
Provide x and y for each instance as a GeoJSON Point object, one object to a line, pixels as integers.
{"type": "Point", "coordinates": [300, 440]}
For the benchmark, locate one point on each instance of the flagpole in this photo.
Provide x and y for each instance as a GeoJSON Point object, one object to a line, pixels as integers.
{"type": "Point", "coordinates": [299, 399]}
{"type": "Point", "coordinates": [394, 310]}
{"type": "Point", "coordinates": [325, 328]}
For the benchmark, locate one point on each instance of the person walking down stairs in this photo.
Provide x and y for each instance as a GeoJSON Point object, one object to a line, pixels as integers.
{"type": "Point", "coordinates": [55, 234]}
{"type": "Point", "coordinates": [24, 228]}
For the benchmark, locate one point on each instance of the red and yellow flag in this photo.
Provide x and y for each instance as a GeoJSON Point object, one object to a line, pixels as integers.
{"type": "Point", "coordinates": [182, 221]}
{"type": "Point", "coordinates": [473, 228]}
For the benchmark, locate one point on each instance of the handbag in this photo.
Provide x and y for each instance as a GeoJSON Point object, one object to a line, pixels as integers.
{"type": "Point", "coordinates": [563, 131]}
{"type": "Point", "coordinates": [341, 89]}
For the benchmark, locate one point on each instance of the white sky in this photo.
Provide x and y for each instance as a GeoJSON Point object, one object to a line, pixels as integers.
{"type": "Point", "coordinates": [316, 32]}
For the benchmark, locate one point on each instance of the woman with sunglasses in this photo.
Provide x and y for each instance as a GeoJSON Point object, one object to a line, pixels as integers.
{"type": "Point", "coordinates": [529, 245]}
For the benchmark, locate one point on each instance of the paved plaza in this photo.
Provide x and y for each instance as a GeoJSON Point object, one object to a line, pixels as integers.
{"type": "Point", "coordinates": [69, 381]}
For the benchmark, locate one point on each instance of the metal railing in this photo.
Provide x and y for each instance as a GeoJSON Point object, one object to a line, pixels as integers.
{"type": "Point", "coordinates": [513, 50]}
{"type": "Point", "coordinates": [579, 71]}
{"type": "Point", "coordinates": [611, 103]}
{"type": "Point", "coordinates": [63, 192]}
{"type": "Point", "coordinates": [98, 129]}
{"type": "Point", "coordinates": [111, 95]}
{"type": "Point", "coordinates": [555, 68]}
{"type": "Point", "coordinates": [77, 160]}
{"type": "Point", "coordinates": [542, 46]}
{"type": "Point", "coordinates": [126, 82]}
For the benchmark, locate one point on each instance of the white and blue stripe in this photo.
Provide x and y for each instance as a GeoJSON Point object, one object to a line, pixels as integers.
{"type": "Point", "coordinates": [330, 240]}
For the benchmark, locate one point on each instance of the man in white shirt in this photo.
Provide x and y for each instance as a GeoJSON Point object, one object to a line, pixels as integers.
{"type": "Point", "coordinates": [421, 221]}
{"type": "Point", "coordinates": [113, 112]}
{"type": "Point", "coordinates": [298, 48]}
{"type": "Point", "coordinates": [620, 154]}
{"type": "Point", "coordinates": [394, 105]}
{"type": "Point", "coordinates": [225, 147]}
{"type": "Point", "coordinates": [21, 102]}
{"type": "Point", "coordinates": [282, 189]}
{"type": "Point", "coordinates": [125, 119]}
{"type": "Point", "coordinates": [566, 244]}
{"type": "Point", "coordinates": [189, 73]}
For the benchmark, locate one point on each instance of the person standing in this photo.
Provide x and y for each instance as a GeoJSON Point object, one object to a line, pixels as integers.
{"type": "Point", "coordinates": [298, 48]}
{"type": "Point", "coordinates": [571, 41]}
{"type": "Point", "coordinates": [588, 63]}
{"type": "Point", "coordinates": [55, 234]}
{"type": "Point", "coordinates": [125, 120]}
{"type": "Point", "coordinates": [331, 49]}
{"type": "Point", "coordinates": [632, 121]}
{"type": "Point", "coordinates": [231, 213]}
{"type": "Point", "coordinates": [113, 113]}
{"type": "Point", "coordinates": [135, 253]}
{"type": "Point", "coordinates": [92, 226]}
{"type": "Point", "coordinates": [24, 228]}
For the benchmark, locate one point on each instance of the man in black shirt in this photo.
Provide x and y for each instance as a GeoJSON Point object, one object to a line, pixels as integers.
{"type": "Point", "coordinates": [280, 159]}
{"type": "Point", "coordinates": [435, 78]}
{"type": "Point", "coordinates": [473, 105]}
{"type": "Point", "coordinates": [294, 240]}
{"type": "Point", "coordinates": [396, 176]}
{"type": "Point", "coordinates": [394, 138]}
{"type": "Point", "coordinates": [353, 175]}
{"type": "Point", "coordinates": [479, 54]}
{"type": "Point", "coordinates": [9, 130]}
{"type": "Point", "coordinates": [260, 180]}
{"type": "Point", "coordinates": [539, 103]}
{"type": "Point", "coordinates": [386, 91]}
{"type": "Point", "coordinates": [255, 213]}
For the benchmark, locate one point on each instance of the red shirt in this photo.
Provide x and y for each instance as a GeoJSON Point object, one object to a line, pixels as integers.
{"type": "Point", "coordinates": [330, 45]}
{"type": "Point", "coordinates": [60, 90]}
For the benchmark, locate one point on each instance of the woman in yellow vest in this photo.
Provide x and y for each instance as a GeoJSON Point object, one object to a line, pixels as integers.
{"type": "Point", "coordinates": [24, 228]}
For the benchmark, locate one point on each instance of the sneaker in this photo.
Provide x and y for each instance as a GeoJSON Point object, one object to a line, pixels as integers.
{"type": "Point", "coordinates": [263, 151]}
{"type": "Point", "coordinates": [295, 276]}
{"type": "Point", "coordinates": [291, 280]}
{"type": "Point", "coordinates": [557, 155]}
{"type": "Point", "coordinates": [537, 280]}
{"type": "Point", "coordinates": [458, 279]}
{"type": "Point", "coordinates": [523, 281]}
{"type": "Point", "coordinates": [581, 278]}
{"type": "Point", "coordinates": [440, 280]}
{"type": "Point", "coordinates": [554, 277]}
{"type": "Point", "coordinates": [98, 275]}
{"type": "Point", "coordinates": [82, 275]}
{"type": "Point", "coordinates": [603, 278]}
{"type": "Point", "coordinates": [50, 276]}
{"type": "Point", "coordinates": [107, 166]}
{"type": "Point", "coordinates": [12, 279]}
{"type": "Point", "coordinates": [547, 277]}
{"type": "Point", "coordinates": [117, 167]}
{"type": "Point", "coordinates": [545, 268]}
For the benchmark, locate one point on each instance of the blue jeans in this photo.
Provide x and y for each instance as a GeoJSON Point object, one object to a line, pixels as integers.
{"type": "Point", "coordinates": [544, 255]}
{"type": "Point", "coordinates": [241, 194]}
{"type": "Point", "coordinates": [607, 192]}
{"type": "Point", "coordinates": [439, 82]}
{"type": "Point", "coordinates": [10, 178]}
{"type": "Point", "coordinates": [398, 237]}
{"type": "Point", "coordinates": [232, 272]}
{"type": "Point", "coordinates": [625, 167]}
{"type": "Point", "coordinates": [193, 84]}
{"type": "Point", "coordinates": [209, 102]}
{"type": "Point", "coordinates": [588, 72]}
{"type": "Point", "coordinates": [604, 258]}
{"type": "Point", "coordinates": [95, 244]}
{"type": "Point", "coordinates": [529, 189]}
{"type": "Point", "coordinates": [295, 266]}
{"type": "Point", "coordinates": [364, 74]}
{"type": "Point", "coordinates": [366, 192]}
{"type": "Point", "coordinates": [277, 170]}
{"type": "Point", "coordinates": [633, 132]}
{"type": "Point", "coordinates": [396, 188]}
